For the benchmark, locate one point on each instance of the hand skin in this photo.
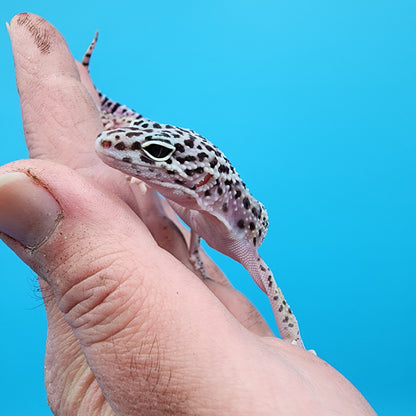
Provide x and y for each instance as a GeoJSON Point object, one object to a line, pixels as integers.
{"type": "Point", "coordinates": [131, 330]}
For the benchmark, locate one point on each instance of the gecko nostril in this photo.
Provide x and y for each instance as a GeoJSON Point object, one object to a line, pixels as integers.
{"type": "Point", "coordinates": [106, 144]}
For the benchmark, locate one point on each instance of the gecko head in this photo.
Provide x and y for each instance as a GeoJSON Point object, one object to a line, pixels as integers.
{"type": "Point", "coordinates": [164, 156]}
{"type": "Point", "coordinates": [131, 150]}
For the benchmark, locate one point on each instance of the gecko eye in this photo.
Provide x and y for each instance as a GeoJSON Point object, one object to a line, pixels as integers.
{"type": "Point", "coordinates": [157, 150]}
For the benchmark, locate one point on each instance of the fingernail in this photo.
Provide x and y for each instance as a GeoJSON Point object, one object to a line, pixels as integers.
{"type": "Point", "coordinates": [28, 212]}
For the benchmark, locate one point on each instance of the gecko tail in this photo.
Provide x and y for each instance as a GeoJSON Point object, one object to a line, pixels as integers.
{"type": "Point", "coordinates": [87, 56]}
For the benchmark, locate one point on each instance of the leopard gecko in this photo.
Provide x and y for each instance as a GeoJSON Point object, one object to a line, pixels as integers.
{"type": "Point", "coordinates": [202, 187]}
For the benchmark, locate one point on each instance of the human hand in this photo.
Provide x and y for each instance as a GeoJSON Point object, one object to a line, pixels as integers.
{"type": "Point", "coordinates": [131, 329]}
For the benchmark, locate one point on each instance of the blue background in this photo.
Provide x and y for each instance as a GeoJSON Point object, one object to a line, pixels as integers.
{"type": "Point", "coordinates": [314, 102]}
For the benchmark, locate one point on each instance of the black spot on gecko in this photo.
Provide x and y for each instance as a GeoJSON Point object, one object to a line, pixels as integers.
{"type": "Point", "coordinates": [286, 319]}
{"type": "Point", "coordinates": [225, 207]}
{"type": "Point", "coordinates": [223, 168]}
{"type": "Point", "coordinates": [135, 146]}
{"type": "Point", "coordinates": [213, 163]}
{"type": "Point", "coordinates": [202, 156]}
{"type": "Point", "coordinates": [157, 126]}
{"type": "Point", "coordinates": [275, 297]}
{"type": "Point", "coordinates": [254, 241]}
{"type": "Point", "coordinates": [126, 159]}
{"type": "Point", "coordinates": [189, 172]}
{"type": "Point", "coordinates": [207, 192]}
{"type": "Point", "coordinates": [246, 203]}
{"type": "Point", "coordinates": [199, 169]}
{"type": "Point", "coordinates": [120, 146]}
{"type": "Point", "coordinates": [240, 224]}
{"type": "Point", "coordinates": [237, 194]}
{"type": "Point", "coordinates": [228, 182]}
{"type": "Point", "coordinates": [189, 142]}
{"type": "Point", "coordinates": [179, 147]}
{"type": "Point", "coordinates": [190, 158]}
{"type": "Point", "coordinates": [131, 134]}
{"type": "Point", "coordinates": [219, 190]}
{"type": "Point", "coordinates": [145, 125]}
{"type": "Point", "coordinates": [252, 226]}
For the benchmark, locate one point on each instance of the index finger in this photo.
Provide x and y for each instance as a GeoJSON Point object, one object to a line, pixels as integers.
{"type": "Point", "coordinates": [59, 115]}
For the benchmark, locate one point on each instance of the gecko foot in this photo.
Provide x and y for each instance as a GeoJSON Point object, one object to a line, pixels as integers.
{"type": "Point", "coordinates": [294, 342]}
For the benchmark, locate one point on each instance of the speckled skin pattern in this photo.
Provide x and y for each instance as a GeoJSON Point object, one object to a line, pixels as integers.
{"type": "Point", "coordinates": [202, 187]}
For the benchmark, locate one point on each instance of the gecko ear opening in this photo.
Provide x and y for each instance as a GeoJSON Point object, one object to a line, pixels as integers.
{"type": "Point", "coordinates": [158, 150]}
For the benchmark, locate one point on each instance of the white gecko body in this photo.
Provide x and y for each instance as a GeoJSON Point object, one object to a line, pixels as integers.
{"type": "Point", "coordinates": [201, 186]}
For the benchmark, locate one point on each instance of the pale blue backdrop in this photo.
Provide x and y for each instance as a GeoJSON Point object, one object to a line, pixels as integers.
{"type": "Point", "coordinates": [314, 102]}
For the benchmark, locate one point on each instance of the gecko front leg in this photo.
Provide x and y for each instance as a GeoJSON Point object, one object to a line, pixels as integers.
{"type": "Point", "coordinates": [285, 319]}
{"type": "Point", "coordinates": [195, 255]}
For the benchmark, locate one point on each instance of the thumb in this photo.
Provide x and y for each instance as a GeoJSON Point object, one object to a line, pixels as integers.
{"type": "Point", "coordinates": [137, 312]}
